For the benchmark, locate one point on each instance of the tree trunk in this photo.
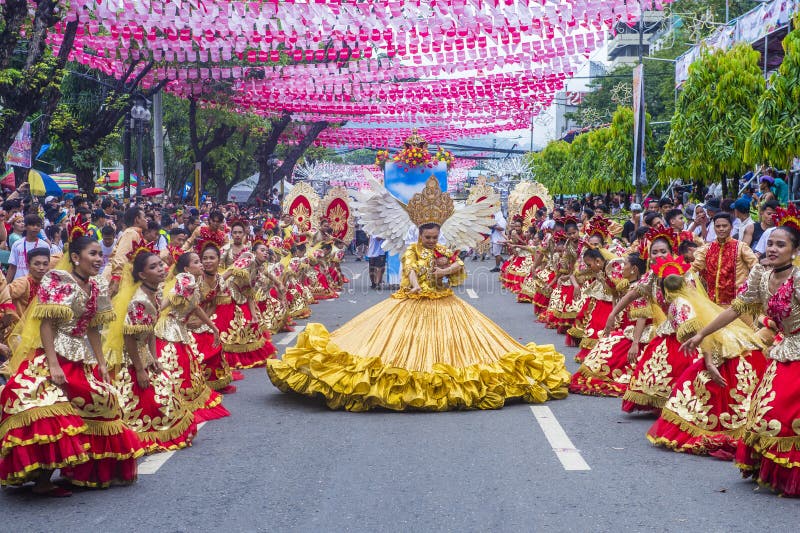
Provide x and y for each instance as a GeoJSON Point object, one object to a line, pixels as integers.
{"type": "Point", "coordinates": [266, 182]}
{"type": "Point", "coordinates": [724, 186]}
{"type": "Point", "coordinates": [85, 178]}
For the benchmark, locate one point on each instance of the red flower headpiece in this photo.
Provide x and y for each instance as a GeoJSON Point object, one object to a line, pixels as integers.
{"type": "Point", "coordinates": [139, 247]}
{"type": "Point", "coordinates": [238, 221]}
{"type": "Point", "coordinates": [208, 238]}
{"type": "Point", "coordinates": [789, 216]}
{"type": "Point", "coordinates": [453, 257]}
{"type": "Point", "coordinates": [257, 241]}
{"type": "Point", "coordinates": [77, 227]}
{"type": "Point", "coordinates": [658, 232]}
{"type": "Point", "coordinates": [599, 226]}
{"type": "Point", "coordinates": [566, 219]}
{"type": "Point", "coordinates": [559, 236]}
{"type": "Point", "coordinates": [175, 252]}
{"type": "Point", "coordinates": [288, 242]}
{"type": "Point", "coordinates": [666, 266]}
{"type": "Point", "coordinates": [518, 218]}
{"type": "Point", "coordinates": [269, 225]}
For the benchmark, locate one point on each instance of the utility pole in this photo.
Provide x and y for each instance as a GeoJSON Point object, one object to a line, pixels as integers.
{"type": "Point", "coordinates": [639, 133]}
{"type": "Point", "coordinates": [158, 141]}
{"type": "Point", "coordinates": [126, 160]}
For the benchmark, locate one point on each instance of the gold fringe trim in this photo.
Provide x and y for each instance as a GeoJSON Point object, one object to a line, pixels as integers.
{"type": "Point", "coordinates": [765, 442]}
{"type": "Point", "coordinates": [695, 431]}
{"type": "Point", "coordinates": [241, 274]}
{"type": "Point", "coordinates": [575, 331]}
{"type": "Point", "coordinates": [220, 383]}
{"type": "Point", "coordinates": [104, 428]}
{"type": "Point", "coordinates": [28, 417]}
{"type": "Point", "coordinates": [427, 295]}
{"type": "Point", "coordinates": [106, 316]}
{"type": "Point", "coordinates": [22, 476]}
{"type": "Point", "coordinates": [744, 308]}
{"type": "Point", "coordinates": [588, 343]}
{"type": "Point", "coordinates": [646, 400]}
{"type": "Point", "coordinates": [242, 348]}
{"type": "Point", "coordinates": [137, 329]}
{"type": "Point", "coordinates": [169, 434]}
{"type": "Point", "coordinates": [688, 329]}
{"type": "Point", "coordinates": [69, 431]}
{"type": "Point", "coordinates": [52, 311]}
{"type": "Point", "coordinates": [622, 285]}
{"type": "Point", "coordinates": [640, 312]}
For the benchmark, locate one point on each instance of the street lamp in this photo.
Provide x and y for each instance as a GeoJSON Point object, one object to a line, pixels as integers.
{"type": "Point", "coordinates": [140, 117]}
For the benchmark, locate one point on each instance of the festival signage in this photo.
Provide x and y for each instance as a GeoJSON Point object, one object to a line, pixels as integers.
{"type": "Point", "coordinates": [19, 155]}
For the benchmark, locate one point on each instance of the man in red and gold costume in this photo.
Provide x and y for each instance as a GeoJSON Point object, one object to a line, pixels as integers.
{"type": "Point", "coordinates": [724, 263]}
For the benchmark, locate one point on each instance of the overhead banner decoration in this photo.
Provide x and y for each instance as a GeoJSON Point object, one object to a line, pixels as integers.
{"type": "Point", "coordinates": [452, 68]}
{"type": "Point", "coordinates": [19, 155]}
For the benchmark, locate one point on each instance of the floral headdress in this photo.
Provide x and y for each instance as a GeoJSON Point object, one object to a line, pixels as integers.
{"type": "Point", "coordinates": [658, 232]}
{"type": "Point", "coordinates": [238, 221]}
{"type": "Point", "coordinates": [289, 242]}
{"type": "Point", "coordinates": [175, 252]}
{"type": "Point", "coordinates": [559, 236]}
{"type": "Point", "coordinates": [141, 247]}
{"type": "Point", "coordinates": [518, 218]}
{"type": "Point", "coordinates": [269, 225]}
{"type": "Point", "coordinates": [77, 227]}
{"type": "Point", "coordinates": [789, 217]}
{"type": "Point", "coordinates": [452, 257]}
{"type": "Point", "coordinates": [672, 264]}
{"type": "Point", "coordinates": [599, 225]}
{"type": "Point", "coordinates": [209, 238]}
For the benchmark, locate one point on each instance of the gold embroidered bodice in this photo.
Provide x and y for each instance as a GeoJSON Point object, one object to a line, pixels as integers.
{"type": "Point", "coordinates": [140, 322]}
{"type": "Point", "coordinates": [73, 311]}
{"type": "Point", "coordinates": [419, 259]}
{"type": "Point", "coordinates": [182, 299]}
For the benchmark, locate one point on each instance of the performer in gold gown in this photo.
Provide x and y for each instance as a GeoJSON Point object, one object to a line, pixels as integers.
{"type": "Point", "coordinates": [423, 348]}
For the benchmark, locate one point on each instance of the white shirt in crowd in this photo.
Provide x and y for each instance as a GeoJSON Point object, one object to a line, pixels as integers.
{"type": "Point", "coordinates": [761, 245]}
{"type": "Point", "coordinates": [498, 235]}
{"type": "Point", "coordinates": [19, 255]}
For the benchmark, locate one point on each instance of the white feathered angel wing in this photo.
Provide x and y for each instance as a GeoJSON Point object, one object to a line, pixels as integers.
{"type": "Point", "coordinates": [468, 225]}
{"type": "Point", "coordinates": [383, 216]}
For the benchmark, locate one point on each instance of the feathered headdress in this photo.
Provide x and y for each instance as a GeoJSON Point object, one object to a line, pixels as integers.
{"type": "Point", "coordinates": [208, 238]}
{"type": "Point", "coordinates": [77, 227]}
{"type": "Point", "coordinates": [599, 225]}
{"type": "Point", "coordinates": [269, 225]}
{"type": "Point", "coordinates": [672, 264]}
{"type": "Point", "coordinates": [788, 216]}
{"type": "Point", "coordinates": [139, 247]}
{"type": "Point", "coordinates": [658, 232]}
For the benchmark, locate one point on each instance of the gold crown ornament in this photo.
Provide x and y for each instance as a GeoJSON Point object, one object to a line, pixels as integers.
{"type": "Point", "coordinates": [430, 205]}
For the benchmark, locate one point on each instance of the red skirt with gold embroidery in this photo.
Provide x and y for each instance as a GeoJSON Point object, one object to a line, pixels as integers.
{"type": "Point", "coordinates": [181, 362]}
{"type": "Point", "coordinates": [605, 370]}
{"type": "Point", "coordinates": [513, 272]}
{"type": "Point", "coordinates": [216, 370]}
{"type": "Point", "coordinates": [704, 418]}
{"type": "Point", "coordinates": [770, 451]}
{"type": "Point", "coordinates": [655, 375]}
{"type": "Point", "coordinates": [592, 319]}
{"type": "Point", "coordinates": [544, 283]}
{"type": "Point", "coordinates": [559, 314]}
{"type": "Point", "coordinates": [78, 429]}
{"type": "Point", "coordinates": [244, 344]}
{"type": "Point", "coordinates": [157, 414]}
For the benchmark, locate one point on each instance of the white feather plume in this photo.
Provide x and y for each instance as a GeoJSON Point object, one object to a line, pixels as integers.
{"type": "Point", "coordinates": [469, 223]}
{"type": "Point", "coordinates": [382, 216]}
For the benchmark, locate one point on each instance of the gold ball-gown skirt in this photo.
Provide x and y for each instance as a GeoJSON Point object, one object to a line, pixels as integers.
{"type": "Point", "coordinates": [419, 354]}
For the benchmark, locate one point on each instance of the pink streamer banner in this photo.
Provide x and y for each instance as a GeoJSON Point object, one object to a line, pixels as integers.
{"type": "Point", "coordinates": [454, 68]}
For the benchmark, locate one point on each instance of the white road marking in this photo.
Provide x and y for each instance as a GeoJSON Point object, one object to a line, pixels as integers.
{"type": "Point", "coordinates": [472, 294]}
{"type": "Point", "coordinates": [356, 276]}
{"type": "Point", "coordinates": [291, 336]}
{"type": "Point", "coordinates": [566, 452]}
{"type": "Point", "coordinates": [156, 461]}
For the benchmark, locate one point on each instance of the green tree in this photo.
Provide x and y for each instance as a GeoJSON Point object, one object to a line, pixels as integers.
{"type": "Point", "coordinates": [712, 122]}
{"type": "Point", "coordinates": [775, 128]}
{"type": "Point", "coordinates": [549, 166]}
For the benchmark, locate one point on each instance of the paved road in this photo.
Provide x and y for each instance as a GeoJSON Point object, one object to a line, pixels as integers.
{"type": "Point", "coordinates": [285, 463]}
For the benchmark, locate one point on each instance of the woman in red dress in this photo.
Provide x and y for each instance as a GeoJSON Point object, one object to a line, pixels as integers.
{"type": "Point", "coordinates": [176, 347]}
{"type": "Point", "coordinates": [514, 271]}
{"type": "Point", "coordinates": [559, 314]}
{"type": "Point", "coordinates": [770, 451]}
{"type": "Point", "coordinates": [606, 370]}
{"type": "Point", "coordinates": [58, 409]}
{"type": "Point", "coordinates": [151, 402]}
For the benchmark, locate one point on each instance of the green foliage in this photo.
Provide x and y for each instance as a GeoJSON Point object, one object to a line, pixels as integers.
{"type": "Point", "coordinates": [775, 127]}
{"type": "Point", "coordinates": [712, 122]}
{"type": "Point", "coordinates": [548, 166]}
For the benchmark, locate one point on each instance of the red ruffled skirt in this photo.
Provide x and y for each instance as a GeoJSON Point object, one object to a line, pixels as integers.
{"type": "Point", "coordinates": [592, 319]}
{"type": "Point", "coordinates": [655, 375]}
{"type": "Point", "coordinates": [181, 362]}
{"type": "Point", "coordinates": [545, 283]}
{"type": "Point", "coordinates": [78, 429]}
{"type": "Point", "coordinates": [244, 344]}
{"type": "Point", "coordinates": [216, 370]}
{"type": "Point", "coordinates": [770, 451]}
{"type": "Point", "coordinates": [514, 271]}
{"type": "Point", "coordinates": [704, 418]}
{"type": "Point", "coordinates": [157, 414]}
{"type": "Point", "coordinates": [605, 370]}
